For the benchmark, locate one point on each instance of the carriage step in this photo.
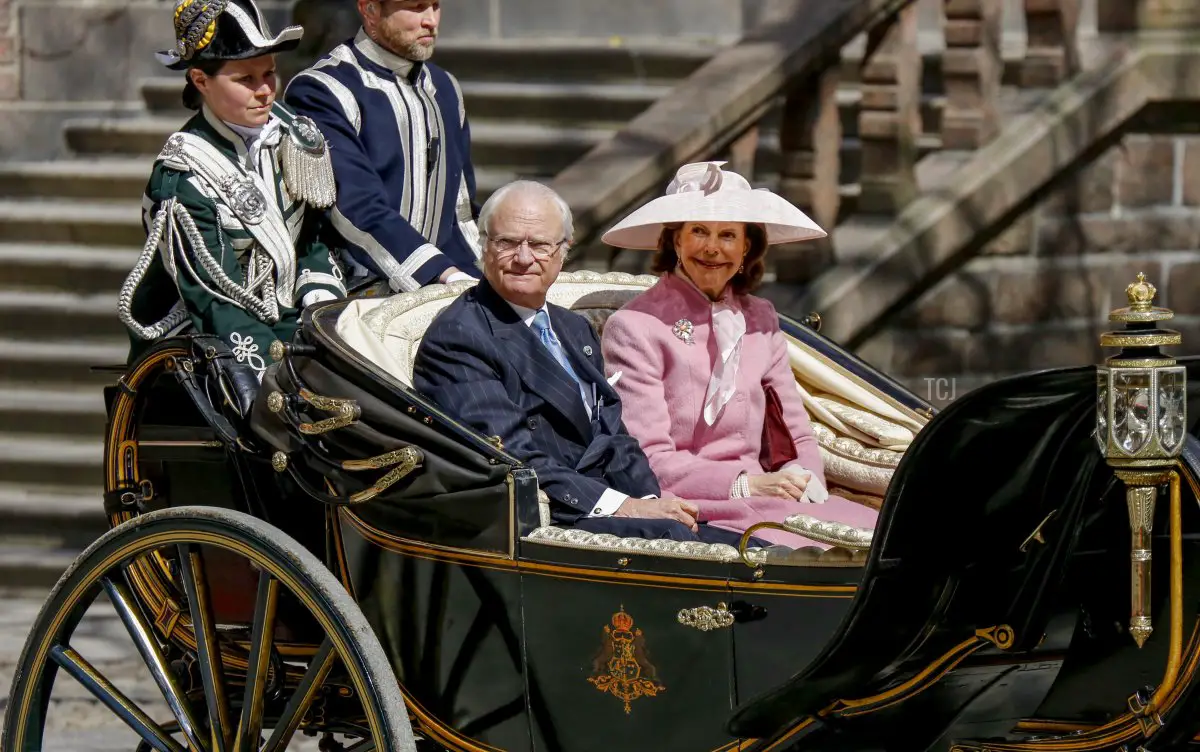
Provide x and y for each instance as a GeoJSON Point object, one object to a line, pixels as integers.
{"type": "Point", "coordinates": [105, 223]}
{"type": "Point", "coordinates": [77, 411]}
{"type": "Point", "coordinates": [59, 459]}
{"type": "Point", "coordinates": [65, 267]}
{"type": "Point", "coordinates": [66, 361]}
{"type": "Point", "coordinates": [76, 178]}
{"type": "Point", "coordinates": [67, 517]}
{"type": "Point", "coordinates": [41, 314]}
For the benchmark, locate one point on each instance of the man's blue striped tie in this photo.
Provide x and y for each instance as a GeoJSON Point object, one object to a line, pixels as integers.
{"type": "Point", "coordinates": [541, 325]}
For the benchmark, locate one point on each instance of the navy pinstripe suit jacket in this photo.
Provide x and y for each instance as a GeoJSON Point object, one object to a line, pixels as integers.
{"type": "Point", "coordinates": [480, 362]}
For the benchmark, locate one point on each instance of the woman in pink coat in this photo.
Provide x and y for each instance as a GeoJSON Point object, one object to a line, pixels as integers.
{"type": "Point", "coordinates": [695, 357]}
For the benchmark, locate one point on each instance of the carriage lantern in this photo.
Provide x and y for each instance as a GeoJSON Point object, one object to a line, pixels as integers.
{"type": "Point", "coordinates": [1141, 420]}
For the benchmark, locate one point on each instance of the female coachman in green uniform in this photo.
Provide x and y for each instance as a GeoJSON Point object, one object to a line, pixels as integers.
{"type": "Point", "coordinates": [234, 210]}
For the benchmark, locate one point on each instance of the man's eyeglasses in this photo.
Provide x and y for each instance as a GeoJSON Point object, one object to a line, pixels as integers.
{"type": "Point", "coordinates": [541, 249]}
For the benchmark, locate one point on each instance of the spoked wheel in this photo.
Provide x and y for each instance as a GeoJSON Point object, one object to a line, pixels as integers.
{"type": "Point", "coordinates": [319, 666]}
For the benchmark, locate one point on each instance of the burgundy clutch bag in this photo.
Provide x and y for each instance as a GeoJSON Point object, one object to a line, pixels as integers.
{"type": "Point", "coordinates": [778, 447]}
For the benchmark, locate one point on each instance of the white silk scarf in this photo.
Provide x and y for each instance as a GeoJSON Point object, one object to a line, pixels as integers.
{"type": "Point", "coordinates": [728, 325]}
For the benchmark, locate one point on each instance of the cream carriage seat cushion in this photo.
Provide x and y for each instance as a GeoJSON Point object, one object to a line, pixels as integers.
{"type": "Point", "coordinates": [388, 331]}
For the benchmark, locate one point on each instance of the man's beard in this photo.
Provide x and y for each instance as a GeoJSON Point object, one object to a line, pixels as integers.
{"type": "Point", "coordinates": [413, 50]}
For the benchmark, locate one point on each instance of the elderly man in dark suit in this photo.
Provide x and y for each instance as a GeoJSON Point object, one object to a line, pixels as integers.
{"type": "Point", "coordinates": [509, 364]}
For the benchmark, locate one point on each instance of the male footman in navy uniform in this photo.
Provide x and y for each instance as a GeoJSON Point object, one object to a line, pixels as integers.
{"type": "Point", "coordinates": [400, 143]}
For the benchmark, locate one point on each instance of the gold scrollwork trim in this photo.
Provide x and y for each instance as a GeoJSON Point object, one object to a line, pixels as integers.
{"type": "Point", "coordinates": [1139, 362]}
{"type": "Point", "coordinates": [1120, 339]}
{"type": "Point", "coordinates": [1144, 477]}
{"type": "Point", "coordinates": [706, 618]}
{"type": "Point", "coordinates": [347, 409]}
{"type": "Point", "coordinates": [404, 454]}
{"type": "Point", "coordinates": [405, 460]}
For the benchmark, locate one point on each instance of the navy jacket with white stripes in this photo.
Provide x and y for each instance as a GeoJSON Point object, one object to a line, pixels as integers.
{"type": "Point", "coordinates": [398, 135]}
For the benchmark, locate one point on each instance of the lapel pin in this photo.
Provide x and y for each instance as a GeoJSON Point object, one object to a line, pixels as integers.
{"type": "Point", "coordinates": [683, 330]}
{"type": "Point", "coordinates": [587, 350]}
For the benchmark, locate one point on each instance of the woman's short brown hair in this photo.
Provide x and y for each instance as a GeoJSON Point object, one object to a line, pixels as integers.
{"type": "Point", "coordinates": [192, 99]}
{"type": "Point", "coordinates": [754, 264]}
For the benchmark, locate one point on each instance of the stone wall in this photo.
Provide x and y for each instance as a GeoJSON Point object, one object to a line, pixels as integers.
{"type": "Point", "coordinates": [61, 59]}
{"type": "Point", "coordinates": [9, 88]}
{"type": "Point", "coordinates": [1041, 295]}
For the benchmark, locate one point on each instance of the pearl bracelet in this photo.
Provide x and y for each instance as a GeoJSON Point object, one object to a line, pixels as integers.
{"type": "Point", "coordinates": [741, 487]}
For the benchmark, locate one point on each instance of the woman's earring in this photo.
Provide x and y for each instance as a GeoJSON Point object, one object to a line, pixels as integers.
{"type": "Point", "coordinates": [742, 267]}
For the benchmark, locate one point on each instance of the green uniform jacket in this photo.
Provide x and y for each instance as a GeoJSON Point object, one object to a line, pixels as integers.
{"type": "Point", "coordinates": [210, 308]}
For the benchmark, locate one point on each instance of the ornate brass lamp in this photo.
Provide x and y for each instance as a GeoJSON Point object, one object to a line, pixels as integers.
{"type": "Point", "coordinates": [1141, 420]}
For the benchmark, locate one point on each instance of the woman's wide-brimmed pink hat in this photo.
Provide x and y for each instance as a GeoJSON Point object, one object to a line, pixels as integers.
{"type": "Point", "coordinates": [703, 192]}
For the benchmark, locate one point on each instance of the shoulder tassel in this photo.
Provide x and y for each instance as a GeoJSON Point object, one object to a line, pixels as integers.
{"type": "Point", "coordinates": [307, 169]}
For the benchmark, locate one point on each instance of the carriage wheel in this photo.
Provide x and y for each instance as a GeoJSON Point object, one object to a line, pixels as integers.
{"type": "Point", "coordinates": [271, 709]}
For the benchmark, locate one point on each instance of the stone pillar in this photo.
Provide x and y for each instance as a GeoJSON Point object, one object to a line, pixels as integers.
{"type": "Point", "coordinates": [1051, 56]}
{"type": "Point", "coordinates": [810, 140]}
{"type": "Point", "coordinates": [742, 153]}
{"type": "Point", "coordinates": [889, 121]}
{"type": "Point", "coordinates": [10, 75]}
{"type": "Point", "coordinates": [971, 68]}
{"type": "Point", "coordinates": [1132, 15]}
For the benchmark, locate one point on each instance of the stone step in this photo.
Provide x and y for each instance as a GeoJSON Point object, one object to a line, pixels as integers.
{"type": "Point", "coordinates": [59, 459]}
{"type": "Point", "coordinates": [66, 410]}
{"type": "Point", "coordinates": [849, 100]}
{"type": "Point", "coordinates": [572, 60]}
{"type": "Point", "coordinates": [543, 149]}
{"type": "Point", "coordinates": [768, 159]}
{"type": "Point", "coordinates": [76, 178]}
{"type": "Point", "coordinates": [69, 516]}
{"type": "Point", "coordinates": [27, 564]}
{"type": "Point", "coordinates": [59, 361]}
{"type": "Point", "coordinates": [562, 103]}
{"type": "Point", "coordinates": [65, 267]}
{"type": "Point", "coordinates": [39, 314]}
{"type": "Point", "coordinates": [126, 136]}
{"type": "Point", "coordinates": [101, 223]}
{"type": "Point", "coordinates": [508, 100]}
{"type": "Point", "coordinates": [532, 148]}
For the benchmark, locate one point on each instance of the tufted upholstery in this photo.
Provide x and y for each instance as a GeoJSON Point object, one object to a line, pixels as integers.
{"type": "Point", "coordinates": [862, 436]}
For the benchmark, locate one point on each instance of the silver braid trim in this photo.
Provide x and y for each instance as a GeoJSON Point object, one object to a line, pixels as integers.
{"type": "Point", "coordinates": [125, 298]}
{"type": "Point", "coordinates": [164, 233]}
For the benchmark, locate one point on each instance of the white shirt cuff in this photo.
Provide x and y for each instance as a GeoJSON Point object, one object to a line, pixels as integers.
{"type": "Point", "coordinates": [610, 501]}
{"type": "Point", "coordinates": [459, 277]}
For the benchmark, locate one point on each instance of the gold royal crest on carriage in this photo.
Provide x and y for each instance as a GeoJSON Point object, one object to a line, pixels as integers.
{"type": "Point", "coordinates": [622, 668]}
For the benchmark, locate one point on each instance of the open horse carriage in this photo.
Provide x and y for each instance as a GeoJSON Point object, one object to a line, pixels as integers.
{"type": "Point", "coordinates": [339, 558]}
